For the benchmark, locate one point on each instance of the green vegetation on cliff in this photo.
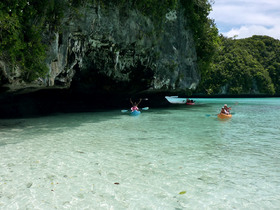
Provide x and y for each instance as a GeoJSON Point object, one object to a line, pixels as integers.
{"type": "Point", "coordinates": [25, 24]}
{"type": "Point", "coordinates": [244, 66]}
{"type": "Point", "coordinates": [204, 31]}
{"type": "Point", "coordinates": [21, 36]}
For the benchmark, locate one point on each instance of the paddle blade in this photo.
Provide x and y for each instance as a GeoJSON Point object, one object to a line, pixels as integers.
{"type": "Point", "coordinates": [211, 115]}
{"type": "Point", "coordinates": [124, 110]}
{"type": "Point", "coordinates": [145, 108]}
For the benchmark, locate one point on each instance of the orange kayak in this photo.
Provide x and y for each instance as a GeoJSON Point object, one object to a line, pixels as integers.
{"type": "Point", "coordinates": [224, 116]}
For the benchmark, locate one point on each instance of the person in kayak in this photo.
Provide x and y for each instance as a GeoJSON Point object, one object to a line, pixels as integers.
{"type": "Point", "coordinates": [223, 111]}
{"type": "Point", "coordinates": [135, 105]}
{"type": "Point", "coordinates": [227, 109]}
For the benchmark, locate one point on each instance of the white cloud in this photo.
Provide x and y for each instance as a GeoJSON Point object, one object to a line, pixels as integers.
{"type": "Point", "coordinates": [248, 31]}
{"type": "Point", "coordinates": [247, 17]}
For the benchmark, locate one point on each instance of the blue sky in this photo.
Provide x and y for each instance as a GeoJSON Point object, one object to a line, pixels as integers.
{"type": "Point", "coordinates": [245, 18]}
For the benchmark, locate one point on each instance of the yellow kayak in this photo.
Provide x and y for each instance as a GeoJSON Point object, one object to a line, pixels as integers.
{"type": "Point", "coordinates": [224, 116]}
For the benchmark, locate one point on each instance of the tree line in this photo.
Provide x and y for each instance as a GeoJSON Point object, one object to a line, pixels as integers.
{"type": "Point", "coordinates": [243, 66]}
{"type": "Point", "coordinates": [227, 65]}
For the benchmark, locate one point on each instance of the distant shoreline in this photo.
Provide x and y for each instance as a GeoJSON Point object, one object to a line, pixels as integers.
{"type": "Point", "coordinates": [33, 103]}
{"type": "Point", "coordinates": [235, 96]}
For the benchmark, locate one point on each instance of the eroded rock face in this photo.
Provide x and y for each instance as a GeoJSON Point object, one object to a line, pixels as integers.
{"type": "Point", "coordinates": [114, 49]}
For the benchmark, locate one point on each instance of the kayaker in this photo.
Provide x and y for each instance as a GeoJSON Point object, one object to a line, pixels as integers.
{"type": "Point", "coordinates": [135, 105]}
{"type": "Point", "coordinates": [190, 100]}
{"type": "Point", "coordinates": [224, 111]}
{"type": "Point", "coordinates": [227, 108]}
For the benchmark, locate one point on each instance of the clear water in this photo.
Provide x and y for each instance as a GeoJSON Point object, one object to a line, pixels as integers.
{"type": "Point", "coordinates": [182, 157]}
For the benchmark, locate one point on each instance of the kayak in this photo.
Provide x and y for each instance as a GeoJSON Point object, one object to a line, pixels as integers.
{"type": "Point", "coordinates": [224, 116]}
{"type": "Point", "coordinates": [135, 113]}
{"type": "Point", "coordinates": [190, 103]}
{"type": "Point", "coordinates": [144, 108]}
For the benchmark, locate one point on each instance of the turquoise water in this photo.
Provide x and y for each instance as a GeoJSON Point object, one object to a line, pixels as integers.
{"type": "Point", "coordinates": [181, 157]}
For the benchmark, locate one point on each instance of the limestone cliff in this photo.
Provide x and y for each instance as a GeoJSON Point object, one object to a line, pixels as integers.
{"type": "Point", "coordinates": [118, 49]}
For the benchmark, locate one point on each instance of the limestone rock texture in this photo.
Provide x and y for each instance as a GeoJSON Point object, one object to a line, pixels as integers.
{"type": "Point", "coordinates": [118, 49]}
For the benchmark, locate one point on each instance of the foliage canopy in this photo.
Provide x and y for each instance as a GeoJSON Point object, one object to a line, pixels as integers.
{"type": "Point", "coordinates": [244, 66]}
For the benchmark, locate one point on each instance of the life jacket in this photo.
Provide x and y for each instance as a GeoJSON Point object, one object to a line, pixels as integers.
{"type": "Point", "coordinates": [134, 108]}
{"type": "Point", "coordinates": [227, 110]}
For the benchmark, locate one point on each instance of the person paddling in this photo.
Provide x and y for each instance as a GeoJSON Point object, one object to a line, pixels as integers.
{"type": "Point", "coordinates": [227, 109]}
{"type": "Point", "coordinates": [135, 105]}
{"type": "Point", "coordinates": [190, 100]}
{"type": "Point", "coordinates": [223, 111]}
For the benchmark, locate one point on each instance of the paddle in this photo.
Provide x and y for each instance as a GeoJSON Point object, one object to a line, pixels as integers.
{"type": "Point", "coordinates": [126, 110]}
{"type": "Point", "coordinates": [232, 113]}
{"type": "Point", "coordinates": [209, 115]}
{"type": "Point", "coordinates": [144, 108]}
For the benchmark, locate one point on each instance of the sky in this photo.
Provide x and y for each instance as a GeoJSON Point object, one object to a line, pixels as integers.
{"type": "Point", "coordinates": [245, 18]}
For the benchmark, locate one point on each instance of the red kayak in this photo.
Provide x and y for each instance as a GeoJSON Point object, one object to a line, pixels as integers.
{"type": "Point", "coordinates": [190, 103]}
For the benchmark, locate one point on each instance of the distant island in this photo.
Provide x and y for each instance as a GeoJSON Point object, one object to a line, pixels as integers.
{"type": "Point", "coordinates": [244, 66]}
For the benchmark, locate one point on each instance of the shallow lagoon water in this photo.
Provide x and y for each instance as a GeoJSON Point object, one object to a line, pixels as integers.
{"type": "Point", "coordinates": [181, 157]}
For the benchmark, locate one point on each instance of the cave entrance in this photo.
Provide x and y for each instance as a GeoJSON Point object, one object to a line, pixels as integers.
{"type": "Point", "coordinates": [93, 78]}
